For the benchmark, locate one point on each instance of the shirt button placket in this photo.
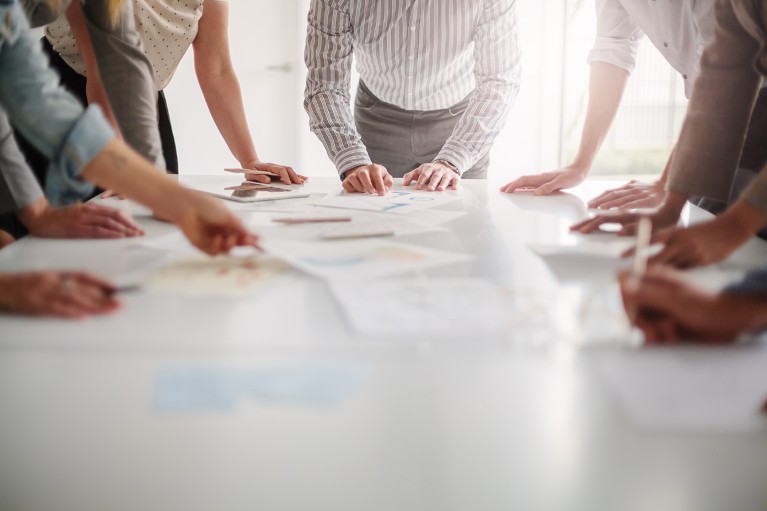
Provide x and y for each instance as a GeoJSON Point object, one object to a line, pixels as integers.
{"type": "Point", "coordinates": [411, 55]}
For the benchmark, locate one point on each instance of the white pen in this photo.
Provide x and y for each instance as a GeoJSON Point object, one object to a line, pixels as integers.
{"type": "Point", "coordinates": [644, 236]}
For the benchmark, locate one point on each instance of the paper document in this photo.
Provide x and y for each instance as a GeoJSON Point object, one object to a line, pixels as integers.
{"type": "Point", "coordinates": [474, 308]}
{"type": "Point", "coordinates": [360, 259]}
{"type": "Point", "coordinates": [444, 308]}
{"type": "Point", "coordinates": [400, 202]}
{"type": "Point", "coordinates": [222, 275]}
{"type": "Point", "coordinates": [360, 223]}
{"type": "Point", "coordinates": [690, 388]}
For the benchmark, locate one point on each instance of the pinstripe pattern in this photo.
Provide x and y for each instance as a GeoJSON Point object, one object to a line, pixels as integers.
{"type": "Point", "coordinates": [418, 55]}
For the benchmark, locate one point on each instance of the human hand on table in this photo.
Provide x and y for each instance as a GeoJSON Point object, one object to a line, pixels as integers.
{"type": "Point", "coordinates": [208, 224]}
{"type": "Point", "coordinates": [670, 310]}
{"type": "Point", "coordinates": [372, 179]}
{"type": "Point", "coordinates": [548, 182]}
{"type": "Point", "coordinates": [285, 174]}
{"type": "Point", "coordinates": [632, 195]}
{"type": "Point", "coordinates": [436, 176]}
{"type": "Point", "coordinates": [63, 294]}
{"type": "Point", "coordinates": [708, 242]}
{"type": "Point", "coordinates": [77, 221]}
{"type": "Point", "coordinates": [665, 216]}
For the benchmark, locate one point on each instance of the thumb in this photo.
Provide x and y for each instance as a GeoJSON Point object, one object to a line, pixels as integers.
{"type": "Point", "coordinates": [549, 187]}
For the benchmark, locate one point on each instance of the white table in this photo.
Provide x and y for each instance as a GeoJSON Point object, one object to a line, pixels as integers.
{"type": "Point", "coordinates": [480, 424]}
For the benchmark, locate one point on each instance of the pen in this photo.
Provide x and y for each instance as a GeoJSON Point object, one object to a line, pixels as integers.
{"type": "Point", "coordinates": [293, 221]}
{"type": "Point", "coordinates": [124, 289]}
{"type": "Point", "coordinates": [251, 171]}
{"type": "Point", "coordinates": [351, 236]}
{"type": "Point", "coordinates": [644, 236]}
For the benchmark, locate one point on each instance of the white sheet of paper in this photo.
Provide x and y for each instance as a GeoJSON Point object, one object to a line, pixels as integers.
{"type": "Point", "coordinates": [360, 259]}
{"type": "Point", "coordinates": [435, 217]}
{"type": "Point", "coordinates": [399, 202]}
{"type": "Point", "coordinates": [361, 222]}
{"type": "Point", "coordinates": [690, 388]}
{"type": "Point", "coordinates": [222, 275]}
{"type": "Point", "coordinates": [598, 249]}
{"type": "Point", "coordinates": [407, 307]}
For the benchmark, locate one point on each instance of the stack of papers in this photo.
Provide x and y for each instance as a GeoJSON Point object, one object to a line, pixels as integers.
{"type": "Point", "coordinates": [400, 202]}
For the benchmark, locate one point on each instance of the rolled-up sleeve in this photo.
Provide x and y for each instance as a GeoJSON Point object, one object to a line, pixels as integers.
{"type": "Point", "coordinates": [497, 73]}
{"type": "Point", "coordinates": [18, 185]}
{"type": "Point", "coordinates": [618, 36]}
{"type": "Point", "coordinates": [327, 98]}
{"type": "Point", "coordinates": [48, 116]}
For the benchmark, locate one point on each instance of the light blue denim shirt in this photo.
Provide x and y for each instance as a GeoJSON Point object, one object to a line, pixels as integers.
{"type": "Point", "coordinates": [44, 112]}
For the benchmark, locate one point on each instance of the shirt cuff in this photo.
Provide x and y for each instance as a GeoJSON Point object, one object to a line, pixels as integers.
{"type": "Point", "coordinates": [350, 158]}
{"type": "Point", "coordinates": [90, 134]}
{"type": "Point", "coordinates": [457, 156]}
{"type": "Point", "coordinates": [615, 53]}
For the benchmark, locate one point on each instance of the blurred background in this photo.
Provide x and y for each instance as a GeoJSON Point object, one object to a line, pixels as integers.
{"type": "Point", "coordinates": [267, 41]}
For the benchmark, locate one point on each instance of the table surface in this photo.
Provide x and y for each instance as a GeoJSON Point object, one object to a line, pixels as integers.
{"type": "Point", "coordinates": [518, 421]}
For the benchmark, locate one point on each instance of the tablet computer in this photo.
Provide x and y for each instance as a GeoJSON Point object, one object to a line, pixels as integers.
{"type": "Point", "coordinates": [244, 191]}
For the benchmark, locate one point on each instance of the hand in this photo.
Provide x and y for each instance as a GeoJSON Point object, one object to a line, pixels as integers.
{"type": "Point", "coordinates": [548, 182]}
{"type": "Point", "coordinates": [77, 221]}
{"type": "Point", "coordinates": [5, 239]}
{"type": "Point", "coordinates": [666, 216]}
{"type": "Point", "coordinates": [210, 226]}
{"type": "Point", "coordinates": [372, 179]}
{"type": "Point", "coordinates": [670, 310]}
{"type": "Point", "coordinates": [286, 174]}
{"type": "Point", "coordinates": [65, 294]}
{"type": "Point", "coordinates": [700, 245]}
{"type": "Point", "coordinates": [632, 195]}
{"type": "Point", "coordinates": [434, 176]}
{"type": "Point", "coordinates": [108, 194]}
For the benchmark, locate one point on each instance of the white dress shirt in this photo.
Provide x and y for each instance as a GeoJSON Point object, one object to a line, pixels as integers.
{"type": "Point", "coordinates": [418, 55]}
{"type": "Point", "coordinates": [680, 29]}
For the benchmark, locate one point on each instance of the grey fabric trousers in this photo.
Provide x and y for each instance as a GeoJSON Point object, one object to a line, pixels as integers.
{"type": "Point", "coordinates": [403, 140]}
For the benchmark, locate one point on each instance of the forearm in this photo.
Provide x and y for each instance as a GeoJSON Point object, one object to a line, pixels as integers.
{"type": "Point", "coordinates": [714, 129]}
{"type": "Point", "coordinates": [497, 73]}
{"type": "Point", "coordinates": [480, 125]}
{"type": "Point", "coordinates": [127, 76]}
{"type": "Point", "coordinates": [328, 57]}
{"type": "Point", "coordinates": [606, 87]}
{"type": "Point", "coordinates": [95, 87]}
{"type": "Point", "coordinates": [119, 168]}
{"type": "Point", "coordinates": [224, 99]}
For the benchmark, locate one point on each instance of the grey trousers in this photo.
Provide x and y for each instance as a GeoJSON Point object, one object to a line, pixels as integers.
{"type": "Point", "coordinates": [403, 140]}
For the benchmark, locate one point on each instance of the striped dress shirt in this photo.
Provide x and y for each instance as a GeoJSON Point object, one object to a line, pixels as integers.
{"type": "Point", "coordinates": [419, 55]}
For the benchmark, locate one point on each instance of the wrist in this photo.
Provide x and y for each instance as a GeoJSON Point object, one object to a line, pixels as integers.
{"type": "Point", "coordinates": [448, 165]}
{"type": "Point", "coordinates": [582, 165]}
{"type": "Point", "coordinates": [246, 162]}
{"type": "Point", "coordinates": [674, 204]}
{"type": "Point", "coordinates": [33, 213]}
{"type": "Point", "coordinates": [744, 218]}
